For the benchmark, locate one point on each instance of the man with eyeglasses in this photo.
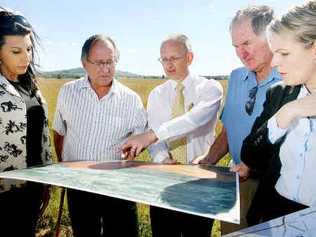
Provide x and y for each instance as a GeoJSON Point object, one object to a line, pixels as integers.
{"type": "Point", "coordinates": [246, 94]}
{"type": "Point", "coordinates": [182, 115]}
{"type": "Point", "coordinates": [94, 115]}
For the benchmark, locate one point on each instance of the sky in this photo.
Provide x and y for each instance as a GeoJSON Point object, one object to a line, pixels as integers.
{"type": "Point", "coordinates": [137, 27]}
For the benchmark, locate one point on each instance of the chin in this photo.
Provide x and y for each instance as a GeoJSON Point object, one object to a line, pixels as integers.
{"type": "Point", "coordinates": [290, 82]}
{"type": "Point", "coordinates": [251, 67]}
{"type": "Point", "coordinates": [21, 71]}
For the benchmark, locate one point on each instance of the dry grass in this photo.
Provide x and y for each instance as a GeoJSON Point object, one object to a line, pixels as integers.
{"type": "Point", "coordinates": [50, 89]}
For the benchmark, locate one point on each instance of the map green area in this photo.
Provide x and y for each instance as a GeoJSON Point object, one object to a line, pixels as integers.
{"type": "Point", "coordinates": [207, 191]}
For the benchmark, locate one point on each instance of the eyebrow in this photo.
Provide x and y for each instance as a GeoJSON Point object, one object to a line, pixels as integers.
{"type": "Point", "coordinates": [241, 43]}
{"type": "Point", "coordinates": [19, 48]}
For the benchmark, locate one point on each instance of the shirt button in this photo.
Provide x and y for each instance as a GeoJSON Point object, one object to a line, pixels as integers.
{"type": "Point", "coordinates": [301, 154]}
{"type": "Point", "coordinates": [298, 177]}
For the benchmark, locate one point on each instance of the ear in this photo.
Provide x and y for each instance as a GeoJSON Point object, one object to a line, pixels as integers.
{"type": "Point", "coordinates": [84, 64]}
{"type": "Point", "coordinates": [190, 57]}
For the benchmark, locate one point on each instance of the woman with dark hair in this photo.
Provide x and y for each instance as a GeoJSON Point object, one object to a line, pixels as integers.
{"type": "Point", "coordinates": [24, 133]}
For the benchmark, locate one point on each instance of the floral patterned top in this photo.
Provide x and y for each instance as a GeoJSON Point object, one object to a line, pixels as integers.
{"type": "Point", "coordinates": [13, 132]}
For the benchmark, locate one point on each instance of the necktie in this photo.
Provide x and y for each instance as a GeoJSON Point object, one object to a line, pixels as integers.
{"type": "Point", "coordinates": [179, 147]}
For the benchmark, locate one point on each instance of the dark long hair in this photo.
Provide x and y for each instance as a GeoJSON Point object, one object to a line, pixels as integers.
{"type": "Point", "coordinates": [12, 24]}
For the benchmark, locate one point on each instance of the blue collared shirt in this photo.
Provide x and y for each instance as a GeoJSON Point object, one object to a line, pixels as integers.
{"type": "Point", "coordinates": [235, 119]}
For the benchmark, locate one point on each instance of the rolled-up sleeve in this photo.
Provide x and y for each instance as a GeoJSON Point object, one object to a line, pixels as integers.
{"type": "Point", "coordinates": [201, 113]}
{"type": "Point", "coordinates": [275, 133]}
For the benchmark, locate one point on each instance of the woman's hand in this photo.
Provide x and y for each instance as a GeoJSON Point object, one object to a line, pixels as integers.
{"type": "Point", "coordinates": [300, 108]}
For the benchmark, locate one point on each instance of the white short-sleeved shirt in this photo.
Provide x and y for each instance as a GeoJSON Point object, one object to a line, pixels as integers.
{"type": "Point", "coordinates": [93, 128]}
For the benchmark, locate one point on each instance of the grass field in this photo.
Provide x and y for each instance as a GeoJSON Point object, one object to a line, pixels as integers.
{"type": "Point", "coordinates": [50, 88]}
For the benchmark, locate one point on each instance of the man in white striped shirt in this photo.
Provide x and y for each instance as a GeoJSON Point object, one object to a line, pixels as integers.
{"type": "Point", "coordinates": [196, 123]}
{"type": "Point", "coordinates": [93, 117]}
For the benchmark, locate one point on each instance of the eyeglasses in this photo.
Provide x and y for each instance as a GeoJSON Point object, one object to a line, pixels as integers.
{"type": "Point", "coordinates": [170, 60]}
{"type": "Point", "coordinates": [101, 64]}
{"type": "Point", "coordinates": [249, 106]}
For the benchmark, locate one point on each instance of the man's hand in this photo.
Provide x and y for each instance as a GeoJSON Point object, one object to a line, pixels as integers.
{"type": "Point", "coordinates": [136, 144]}
{"type": "Point", "coordinates": [205, 159]}
{"type": "Point", "coordinates": [217, 150]}
{"type": "Point", "coordinates": [169, 161]}
{"type": "Point", "coordinates": [202, 159]}
{"type": "Point", "coordinates": [59, 144]}
{"type": "Point", "coordinates": [242, 170]}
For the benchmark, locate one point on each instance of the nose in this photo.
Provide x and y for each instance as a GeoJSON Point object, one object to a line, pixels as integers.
{"type": "Point", "coordinates": [105, 68]}
{"type": "Point", "coordinates": [168, 65]}
{"type": "Point", "coordinates": [240, 51]}
{"type": "Point", "coordinates": [275, 61]}
{"type": "Point", "coordinates": [26, 57]}
{"type": "Point", "coordinates": [243, 53]}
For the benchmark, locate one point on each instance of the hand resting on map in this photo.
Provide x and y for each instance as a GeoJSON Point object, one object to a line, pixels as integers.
{"type": "Point", "coordinates": [136, 144]}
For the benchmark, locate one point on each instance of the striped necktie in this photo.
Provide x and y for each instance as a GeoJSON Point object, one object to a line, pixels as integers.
{"type": "Point", "coordinates": [178, 148]}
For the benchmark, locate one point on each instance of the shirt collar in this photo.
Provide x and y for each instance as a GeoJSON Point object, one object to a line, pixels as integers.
{"type": "Point", "coordinates": [273, 75]}
{"type": "Point", "coordinates": [303, 92]}
{"type": "Point", "coordinates": [186, 81]}
{"type": "Point", "coordinates": [8, 86]}
{"type": "Point", "coordinates": [85, 83]}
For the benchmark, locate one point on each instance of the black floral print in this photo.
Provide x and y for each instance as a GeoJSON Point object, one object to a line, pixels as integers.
{"type": "Point", "coordinates": [8, 106]}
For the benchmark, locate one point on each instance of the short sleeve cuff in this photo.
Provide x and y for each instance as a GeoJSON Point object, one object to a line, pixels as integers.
{"type": "Point", "coordinates": [58, 128]}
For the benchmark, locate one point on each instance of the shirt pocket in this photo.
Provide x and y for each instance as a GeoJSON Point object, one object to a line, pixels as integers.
{"type": "Point", "coordinates": [118, 127]}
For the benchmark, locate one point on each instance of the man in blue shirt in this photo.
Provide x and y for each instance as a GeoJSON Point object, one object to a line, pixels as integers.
{"type": "Point", "coordinates": [247, 88]}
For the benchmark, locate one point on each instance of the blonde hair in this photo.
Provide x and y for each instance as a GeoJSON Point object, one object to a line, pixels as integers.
{"type": "Point", "coordinates": [299, 21]}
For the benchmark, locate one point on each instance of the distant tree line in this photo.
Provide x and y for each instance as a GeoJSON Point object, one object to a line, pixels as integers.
{"type": "Point", "coordinates": [76, 73]}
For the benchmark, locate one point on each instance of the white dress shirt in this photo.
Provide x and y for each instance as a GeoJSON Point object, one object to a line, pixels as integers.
{"type": "Point", "coordinates": [202, 99]}
{"type": "Point", "coordinates": [93, 128]}
{"type": "Point", "coordinates": [298, 158]}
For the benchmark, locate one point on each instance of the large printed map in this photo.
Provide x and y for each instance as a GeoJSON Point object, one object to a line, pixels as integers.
{"type": "Point", "coordinates": [207, 191]}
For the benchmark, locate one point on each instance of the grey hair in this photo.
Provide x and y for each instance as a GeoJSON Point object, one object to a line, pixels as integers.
{"type": "Point", "coordinates": [89, 43]}
{"type": "Point", "coordinates": [180, 38]}
{"type": "Point", "coordinates": [259, 15]}
{"type": "Point", "coordinates": [300, 20]}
